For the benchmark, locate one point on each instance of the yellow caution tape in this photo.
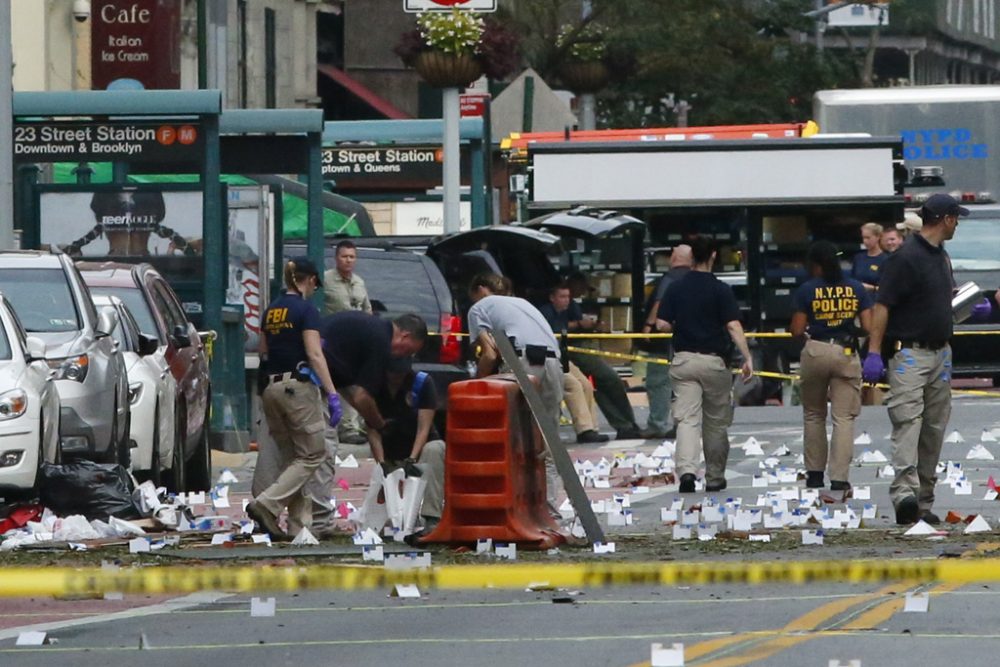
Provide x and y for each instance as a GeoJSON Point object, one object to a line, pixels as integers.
{"type": "Point", "coordinates": [764, 374]}
{"type": "Point", "coordinates": [26, 582]}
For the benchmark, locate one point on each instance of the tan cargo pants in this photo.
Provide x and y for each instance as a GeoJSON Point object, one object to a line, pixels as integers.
{"type": "Point", "coordinates": [829, 373]}
{"type": "Point", "coordinates": [919, 405]}
{"type": "Point", "coordinates": [703, 408]}
{"type": "Point", "coordinates": [550, 377]}
{"type": "Point", "coordinates": [294, 412]}
{"type": "Point", "coordinates": [579, 396]}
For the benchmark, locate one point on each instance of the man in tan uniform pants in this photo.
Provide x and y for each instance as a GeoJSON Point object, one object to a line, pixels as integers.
{"type": "Point", "coordinates": [701, 312]}
{"type": "Point", "coordinates": [913, 314]}
{"type": "Point", "coordinates": [578, 394]}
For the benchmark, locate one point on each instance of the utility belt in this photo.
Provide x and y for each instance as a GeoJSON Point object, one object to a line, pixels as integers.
{"type": "Point", "coordinates": [302, 373]}
{"type": "Point", "coordinates": [285, 377]}
{"type": "Point", "coordinates": [847, 341]}
{"type": "Point", "coordinates": [535, 355]}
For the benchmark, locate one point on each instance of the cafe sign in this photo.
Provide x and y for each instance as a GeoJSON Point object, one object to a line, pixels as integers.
{"type": "Point", "coordinates": [135, 44]}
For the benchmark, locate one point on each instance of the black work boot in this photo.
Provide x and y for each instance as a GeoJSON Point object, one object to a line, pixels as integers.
{"type": "Point", "coordinates": [814, 479]}
{"type": "Point", "coordinates": [267, 521]}
{"type": "Point", "coordinates": [687, 483]}
{"type": "Point", "coordinates": [907, 511]}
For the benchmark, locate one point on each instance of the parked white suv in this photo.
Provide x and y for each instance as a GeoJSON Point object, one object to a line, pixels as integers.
{"type": "Point", "coordinates": [29, 408]}
{"type": "Point", "coordinates": [53, 304]}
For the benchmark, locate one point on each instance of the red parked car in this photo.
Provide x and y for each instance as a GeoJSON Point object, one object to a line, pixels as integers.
{"type": "Point", "coordinates": [158, 312]}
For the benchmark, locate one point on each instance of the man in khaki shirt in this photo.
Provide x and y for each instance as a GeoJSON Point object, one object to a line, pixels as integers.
{"type": "Point", "coordinates": [342, 288]}
{"type": "Point", "coordinates": [345, 290]}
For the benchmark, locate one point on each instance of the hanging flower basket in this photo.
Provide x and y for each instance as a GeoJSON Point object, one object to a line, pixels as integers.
{"type": "Point", "coordinates": [453, 49]}
{"type": "Point", "coordinates": [447, 70]}
{"type": "Point", "coordinates": [584, 76]}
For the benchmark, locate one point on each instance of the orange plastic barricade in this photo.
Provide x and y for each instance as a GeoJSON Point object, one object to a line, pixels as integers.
{"type": "Point", "coordinates": [494, 480]}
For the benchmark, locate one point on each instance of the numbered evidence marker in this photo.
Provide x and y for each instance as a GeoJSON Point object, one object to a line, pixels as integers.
{"type": "Point", "coordinates": [604, 548]}
{"type": "Point", "coordinates": [262, 607]}
{"type": "Point", "coordinates": [405, 591]}
{"type": "Point", "coordinates": [30, 638]}
{"type": "Point", "coordinates": [508, 551]}
{"type": "Point", "coordinates": [407, 561]}
{"type": "Point", "coordinates": [917, 602]}
{"type": "Point", "coordinates": [372, 552]}
{"type": "Point", "coordinates": [672, 656]}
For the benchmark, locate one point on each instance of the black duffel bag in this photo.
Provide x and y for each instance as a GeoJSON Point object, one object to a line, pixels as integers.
{"type": "Point", "coordinates": [95, 490]}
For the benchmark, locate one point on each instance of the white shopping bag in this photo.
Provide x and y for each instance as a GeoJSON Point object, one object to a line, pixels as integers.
{"type": "Point", "coordinates": [394, 497]}
{"type": "Point", "coordinates": [413, 498]}
{"type": "Point", "coordinates": [373, 514]}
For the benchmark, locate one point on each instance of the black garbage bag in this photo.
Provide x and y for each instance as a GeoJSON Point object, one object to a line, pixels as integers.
{"type": "Point", "coordinates": [95, 490]}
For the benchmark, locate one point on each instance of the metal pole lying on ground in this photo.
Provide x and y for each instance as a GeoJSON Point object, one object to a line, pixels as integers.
{"type": "Point", "coordinates": [577, 496]}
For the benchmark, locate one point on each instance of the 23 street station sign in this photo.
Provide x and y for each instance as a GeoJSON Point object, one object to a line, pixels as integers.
{"type": "Point", "coordinates": [107, 142]}
{"type": "Point", "coordinates": [386, 168]}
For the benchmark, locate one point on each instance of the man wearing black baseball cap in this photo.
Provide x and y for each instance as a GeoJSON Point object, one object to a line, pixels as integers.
{"type": "Point", "coordinates": [913, 316]}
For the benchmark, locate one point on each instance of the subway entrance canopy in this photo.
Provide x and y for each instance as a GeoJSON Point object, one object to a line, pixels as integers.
{"type": "Point", "coordinates": [176, 132]}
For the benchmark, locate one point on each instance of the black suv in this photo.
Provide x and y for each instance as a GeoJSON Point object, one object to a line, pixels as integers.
{"type": "Point", "coordinates": [400, 281]}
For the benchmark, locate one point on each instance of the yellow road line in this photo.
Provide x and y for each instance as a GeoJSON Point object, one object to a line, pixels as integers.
{"type": "Point", "coordinates": [750, 641]}
{"type": "Point", "coordinates": [883, 612]}
{"type": "Point", "coordinates": [806, 623]}
{"type": "Point", "coordinates": [807, 627]}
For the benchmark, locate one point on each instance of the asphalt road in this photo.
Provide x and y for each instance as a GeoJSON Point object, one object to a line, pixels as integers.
{"type": "Point", "coordinates": [784, 625]}
{"type": "Point", "coordinates": [719, 625]}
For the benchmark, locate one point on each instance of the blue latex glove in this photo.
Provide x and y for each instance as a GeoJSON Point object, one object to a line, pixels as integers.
{"type": "Point", "coordinates": [873, 369]}
{"type": "Point", "coordinates": [981, 311]}
{"type": "Point", "coordinates": [336, 412]}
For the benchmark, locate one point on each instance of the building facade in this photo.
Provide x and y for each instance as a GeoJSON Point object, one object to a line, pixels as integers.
{"type": "Point", "coordinates": [261, 53]}
{"type": "Point", "coordinates": [945, 42]}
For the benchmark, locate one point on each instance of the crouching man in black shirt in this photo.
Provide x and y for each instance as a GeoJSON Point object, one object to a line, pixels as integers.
{"type": "Point", "coordinates": [408, 401]}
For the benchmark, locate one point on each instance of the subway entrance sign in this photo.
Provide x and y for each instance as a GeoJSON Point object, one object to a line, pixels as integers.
{"type": "Point", "coordinates": [416, 167]}
{"type": "Point", "coordinates": [106, 142]}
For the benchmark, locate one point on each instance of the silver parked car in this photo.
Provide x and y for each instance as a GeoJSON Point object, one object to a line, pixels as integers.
{"type": "Point", "coordinates": [54, 305]}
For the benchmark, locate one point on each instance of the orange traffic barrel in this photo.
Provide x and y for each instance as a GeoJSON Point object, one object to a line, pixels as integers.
{"type": "Point", "coordinates": [494, 481]}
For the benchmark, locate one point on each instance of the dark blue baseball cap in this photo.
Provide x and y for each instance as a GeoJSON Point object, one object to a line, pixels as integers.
{"type": "Point", "coordinates": [305, 265]}
{"type": "Point", "coordinates": [940, 205]}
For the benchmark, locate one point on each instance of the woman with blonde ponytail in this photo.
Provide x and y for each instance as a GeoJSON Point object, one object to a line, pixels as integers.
{"type": "Point", "coordinates": [295, 372]}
